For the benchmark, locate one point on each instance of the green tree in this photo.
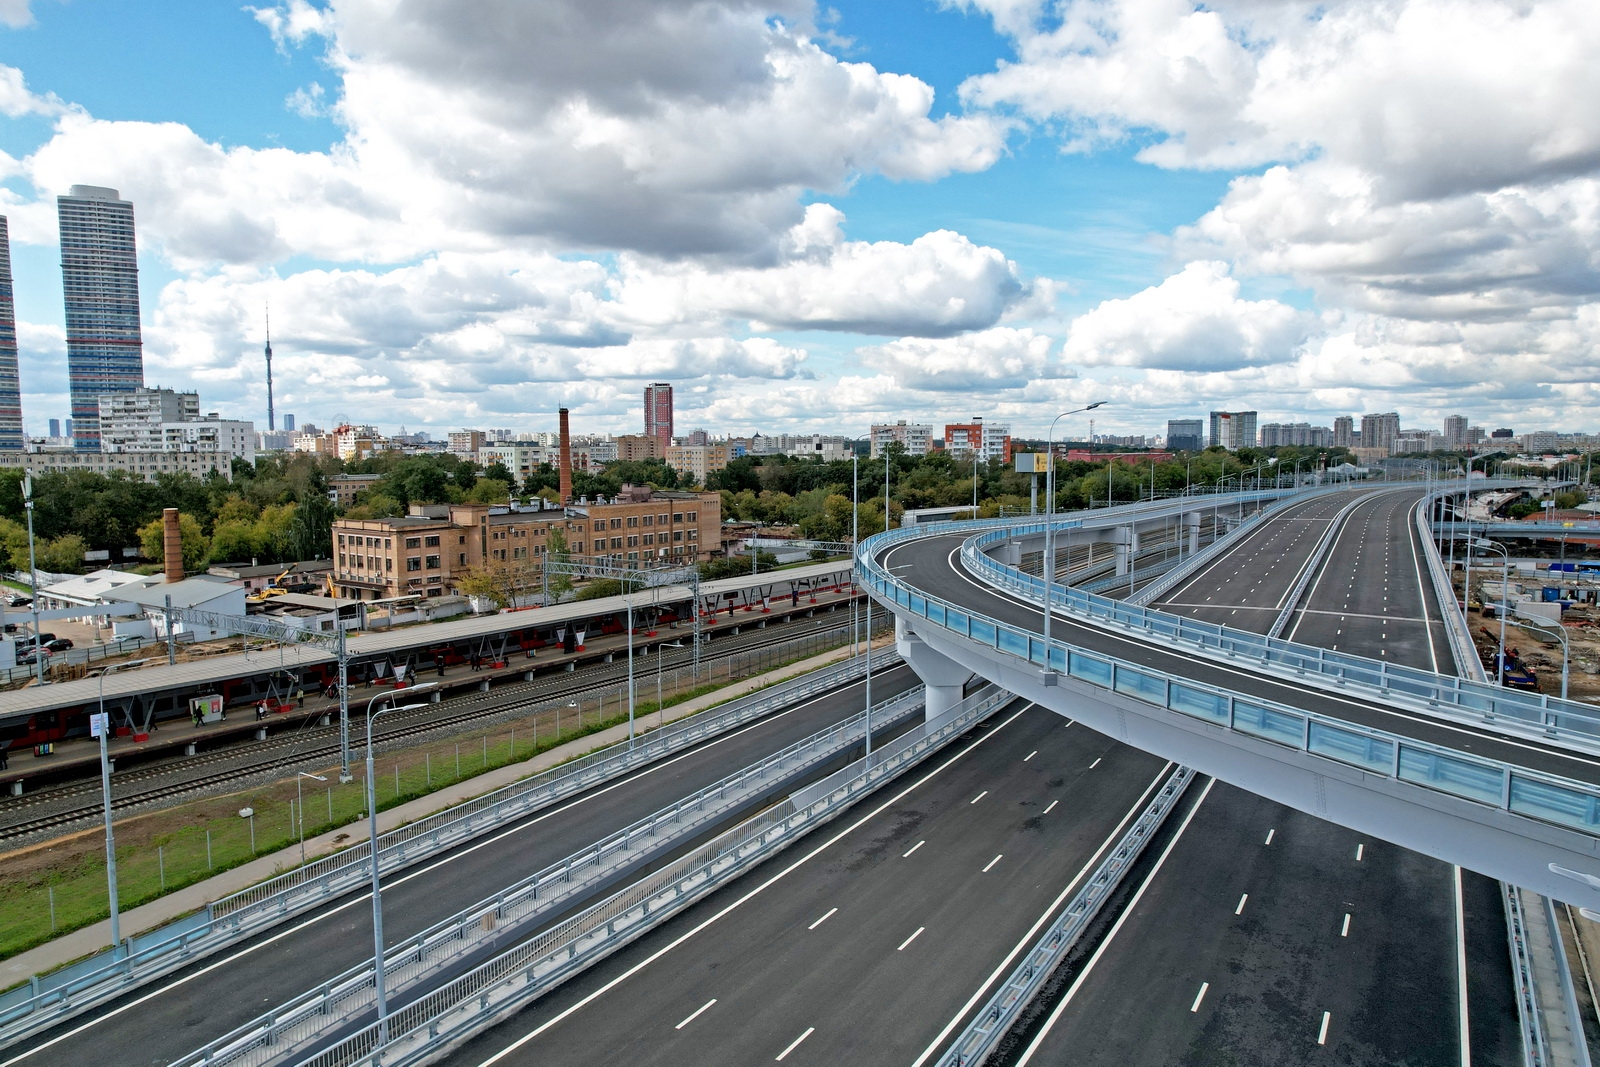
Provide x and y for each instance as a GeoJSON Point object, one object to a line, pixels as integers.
{"type": "Point", "coordinates": [62, 555]}
{"type": "Point", "coordinates": [196, 546]}
{"type": "Point", "coordinates": [555, 547]}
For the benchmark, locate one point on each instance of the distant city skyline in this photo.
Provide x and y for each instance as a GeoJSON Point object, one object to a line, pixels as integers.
{"type": "Point", "coordinates": [820, 219]}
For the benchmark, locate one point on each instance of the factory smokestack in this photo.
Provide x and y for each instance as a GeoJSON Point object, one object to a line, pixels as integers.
{"type": "Point", "coordinates": [566, 459]}
{"type": "Point", "coordinates": [172, 545]}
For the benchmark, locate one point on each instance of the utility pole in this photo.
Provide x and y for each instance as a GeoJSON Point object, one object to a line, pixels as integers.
{"type": "Point", "coordinates": [33, 578]}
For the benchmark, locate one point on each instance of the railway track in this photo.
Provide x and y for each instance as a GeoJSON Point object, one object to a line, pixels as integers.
{"type": "Point", "coordinates": [75, 805]}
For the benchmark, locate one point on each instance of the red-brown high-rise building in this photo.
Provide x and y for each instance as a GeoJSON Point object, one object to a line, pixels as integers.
{"type": "Point", "coordinates": [658, 413]}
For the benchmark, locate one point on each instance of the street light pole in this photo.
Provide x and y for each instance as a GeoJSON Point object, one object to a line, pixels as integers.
{"type": "Point", "coordinates": [1049, 519]}
{"type": "Point", "coordinates": [103, 728]}
{"type": "Point", "coordinates": [629, 602]}
{"type": "Point", "coordinates": [1566, 649]}
{"type": "Point", "coordinates": [33, 589]}
{"type": "Point", "coordinates": [372, 857]}
{"type": "Point", "coordinates": [300, 807]}
{"type": "Point", "coordinates": [1505, 600]}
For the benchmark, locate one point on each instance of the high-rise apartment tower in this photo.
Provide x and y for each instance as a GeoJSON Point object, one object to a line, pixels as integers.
{"type": "Point", "coordinates": [1380, 431]}
{"type": "Point", "coordinates": [1233, 430]}
{"type": "Point", "coordinates": [658, 413]}
{"type": "Point", "coordinates": [100, 286]}
{"type": "Point", "coordinates": [10, 388]}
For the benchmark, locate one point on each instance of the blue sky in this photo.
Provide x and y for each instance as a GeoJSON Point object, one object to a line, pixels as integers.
{"type": "Point", "coordinates": [460, 229]}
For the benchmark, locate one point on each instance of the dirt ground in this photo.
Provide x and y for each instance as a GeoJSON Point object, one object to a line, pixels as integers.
{"type": "Point", "coordinates": [1543, 653]}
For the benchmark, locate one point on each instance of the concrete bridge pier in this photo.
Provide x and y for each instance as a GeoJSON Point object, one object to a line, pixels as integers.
{"type": "Point", "coordinates": [1127, 543]}
{"type": "Point", "coordinates": [1011, 554]}
{"type": "Point", "coordinates": [943, 679]}
{"type": "Point", "coordinates": [1192, 522]}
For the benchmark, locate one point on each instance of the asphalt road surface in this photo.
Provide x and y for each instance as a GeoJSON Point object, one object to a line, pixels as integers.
{"type": "Point", "coordinates": [873, 938]}
{"type": "Point", "coordinates": [167, 1019]}
{"type": "Point", "coordinates": [1267, 936]}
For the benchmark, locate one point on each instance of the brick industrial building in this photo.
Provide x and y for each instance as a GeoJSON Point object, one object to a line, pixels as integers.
{"type": "Point", "coordinates": [426, 552]}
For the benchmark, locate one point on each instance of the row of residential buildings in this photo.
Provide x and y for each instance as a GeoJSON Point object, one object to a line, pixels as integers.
{"type": "Point", "coordinates": [1372, 437]}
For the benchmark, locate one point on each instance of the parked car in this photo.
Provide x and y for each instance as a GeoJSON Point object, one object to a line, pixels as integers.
{"type": "Point", "coordinates": [60, 644]}
{"type": "Point", "coordinates": [17, 600]}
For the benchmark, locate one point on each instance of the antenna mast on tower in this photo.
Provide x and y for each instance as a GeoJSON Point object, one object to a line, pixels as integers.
{"type": "Point", "coordinates": [272, 421]}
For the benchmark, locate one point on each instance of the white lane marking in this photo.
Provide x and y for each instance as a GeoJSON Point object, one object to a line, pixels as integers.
{"type": "Point", "coordinates": [1270, 832]}
{"type": "Point", "coordinates": [365, 898]}
{"type": "Point", "coordinates": [1242, 898]}
{"type": "Point", "coordinates": [1322, 1034]}
{"type": "Point", "coordinates": [977, 798]}
{"type": "Point", "coordinates": [1291, 692]}
{"type": "Point", "coordinates": [1030, 755]}
{"type": "Point", "coordinates": [1096, 763]}
{"type": "Point", "coordinates": [1088, 969]}
{"type": "Point", "coordinates": [1462, 1030]}
{"type": "Point", "coordinates": [1033, 931]}
{"type": "Point", "coordinates": [825, 917]}
{"type": "Point", "coordinates": [748, 896]}
{"type": "Point", "coordinates": [913, 848]}
{"type": "Point", "coordinates": [796, 1042]}
{"type": "Point", "coordinates": [1344, 931]}
{"type": "Point", "coordinates": [910, 939]}
{"type": "Point", "coordinates": [1198, 997]}
{"type": "Point", "coordinates": [1051, 808]}
{"type": "Point", "coordinates": [991, 863]}
{"type": "Point", "coordinates": [1361, 851]}
{"type": "Point", "coordinates": [695, 1014]}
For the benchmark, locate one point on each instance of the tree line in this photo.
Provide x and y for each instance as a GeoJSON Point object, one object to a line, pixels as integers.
{"type": "Point", "coordinates": [277, 509]}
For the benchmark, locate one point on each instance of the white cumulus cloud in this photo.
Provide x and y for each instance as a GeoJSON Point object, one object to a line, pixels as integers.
{"type": "Point", "coordinates": [998, 358]}
{"type": "Point", "coordinates": [1194, 320]}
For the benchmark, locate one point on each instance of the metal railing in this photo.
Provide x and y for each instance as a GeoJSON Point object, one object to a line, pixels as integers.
{"type": "Point", "coordinates": [1462, 649]}
{"type": "Point", "coordinates": [1550, 719]}
{"type": "Point", "coordinates": [986, 1029]}
{"type": "Point", "coordinates": [481, 997]}
{"type": "Point", "coordinates": [1550, 798]}
{"type": "Point", "coordinates": [298, 1022]}
{"type": "Point", "coordinates": [47, 1000]}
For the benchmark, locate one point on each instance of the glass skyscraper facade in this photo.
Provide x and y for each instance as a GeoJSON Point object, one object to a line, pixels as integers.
{"type": "Point", "coordinates": [10, 388]}
{"type": "Point", "coordinates": [100, 282]}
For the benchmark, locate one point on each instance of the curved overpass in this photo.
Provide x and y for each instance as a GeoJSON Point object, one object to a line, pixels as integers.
{"type": "Point", "coordinates": [1503, 783]}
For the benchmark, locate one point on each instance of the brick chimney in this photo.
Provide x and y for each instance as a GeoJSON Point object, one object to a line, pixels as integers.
{"type": "Point", "coordinates": [566, 459]}
{"type": "Point", "coordinates": [172, 545]}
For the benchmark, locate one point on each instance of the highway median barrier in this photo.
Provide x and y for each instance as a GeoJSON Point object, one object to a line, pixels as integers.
{"type": "Point", "coordinates": [49, 999]}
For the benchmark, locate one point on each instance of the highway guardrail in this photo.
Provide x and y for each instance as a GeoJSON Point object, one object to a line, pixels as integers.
{"type": "Point", "coordinates": [443, 1019]}
{"type": "Point", "coordinates": [986, 1029]}
{"type": "Point", "coordinates": [292, 1026]}
{"type": "Point", "coordinates": [1567, 722]}
{"type": "Point", "coordinates": [49, 999]}
{"type": "Point", "coordinates": [1549, 798]}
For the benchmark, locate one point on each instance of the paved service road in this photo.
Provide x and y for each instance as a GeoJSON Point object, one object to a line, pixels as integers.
{"type": "Point", "coordinates": [178, 1014]}
{"type": "Point", "coordinates": [867, 940]}
{"type": "Point", "coordinates": [1267, 936]}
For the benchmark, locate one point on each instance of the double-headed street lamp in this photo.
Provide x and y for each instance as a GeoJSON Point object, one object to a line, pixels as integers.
{"type": "Point", "coordinates": [1566, 650]}
{"type": "Point", "coordinates": [1049, 540]}
{"type": "Point", "coordinates": [372, 837]}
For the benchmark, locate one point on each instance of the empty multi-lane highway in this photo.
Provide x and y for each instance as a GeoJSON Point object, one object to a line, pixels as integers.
{"type": "Point", "coordinates": [183, 1011]}
{"type": "Point", "coordinates": [1237, 947]}
{"type": "Point", "coordinates": [871, 940]}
